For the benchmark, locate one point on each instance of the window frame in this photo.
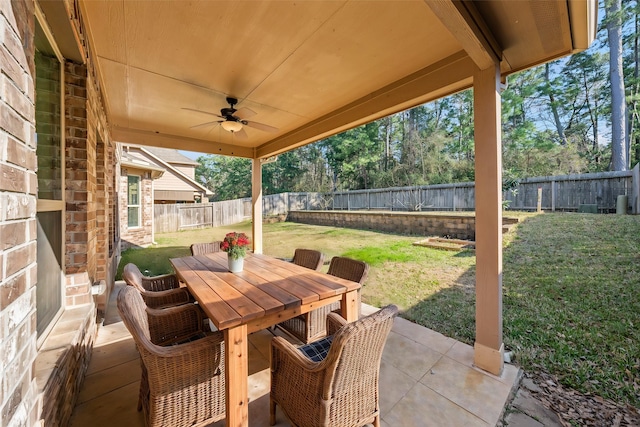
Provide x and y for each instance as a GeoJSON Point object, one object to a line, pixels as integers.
{"type": "Point", "coordinates": [139, 205]}
{"type": "Point", "coordinates": [50, 205]}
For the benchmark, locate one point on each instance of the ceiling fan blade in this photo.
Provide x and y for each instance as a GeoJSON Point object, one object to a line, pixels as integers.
{"type": "Point", "coordinates": [203, 112]}
{"type": "Point", "coordinates": [262, 127]}
{"type": "Point", "coordinates": [241, 134]}
{"type": "Point", "coordinates": [244, 113]}
{"type": "Point", "coordinates": [205, 124]}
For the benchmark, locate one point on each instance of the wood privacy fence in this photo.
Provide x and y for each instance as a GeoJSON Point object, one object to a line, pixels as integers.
{"type": "Point", "coordinates": [558, 193]}
{"type": "Point", "coordinates": [185, 216]}
{"type": "Point", "coordinates": [568, 192]}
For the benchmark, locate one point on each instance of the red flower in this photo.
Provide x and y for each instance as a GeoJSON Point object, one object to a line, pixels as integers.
{"type": "Point", "coordinates": [235, 244]}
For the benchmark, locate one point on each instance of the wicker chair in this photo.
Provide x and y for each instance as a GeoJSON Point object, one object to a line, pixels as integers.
{"type": "Point", "coordinates": [183, 380]}
{"type": "Point", "coordinates": [341, 389]}
{"type": "Point", "coordinates": [205, 248]}
{"type": "Point", "coordinates": [311, 326]}
{"type": "Point", "coordinates": [308, 258]}
{"type": "Point", "coordinates": [158, 291]}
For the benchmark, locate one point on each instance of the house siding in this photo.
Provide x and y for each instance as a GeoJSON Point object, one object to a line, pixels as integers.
{"type": "Point", "coordinates": [169, 180]}
{"type": "Point", "coordinates": [40, 382]}
{"type": "Point", "coordinates": [188, 170]}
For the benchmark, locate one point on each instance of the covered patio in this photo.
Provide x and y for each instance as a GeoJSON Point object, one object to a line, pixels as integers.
{"type": "Point", "coordinates": [307, 70]}
{"type": "Point", "coordinates": [249, 79]}
{"type": "Point", "coordinates": [426, 379]}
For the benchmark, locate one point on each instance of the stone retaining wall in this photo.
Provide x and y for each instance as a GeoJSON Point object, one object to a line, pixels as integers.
{"type": "Point", "coordinates": [458, 226]}
{"type": "Point", "coordinates": [62, 363]}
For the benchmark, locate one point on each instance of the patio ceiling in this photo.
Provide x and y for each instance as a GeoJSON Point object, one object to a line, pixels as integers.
{"type": "Point", "coordinates": [309, 68]}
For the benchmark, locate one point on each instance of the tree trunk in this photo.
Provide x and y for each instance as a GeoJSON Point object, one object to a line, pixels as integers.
{"type": "Point", "coordinates": [632, 114]}
{"type": "Point", "coordinates": [618, 106]}
{"type": "Point", "coordinates": [554, 107]}
{"type": "Point", "coordinates": [387, 144]}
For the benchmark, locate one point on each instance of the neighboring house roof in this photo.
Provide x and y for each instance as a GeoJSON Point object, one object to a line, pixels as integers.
{"type": "Point", "coordinates": [135, 162]}
{"type": "Point", "coordinates": [171, 156]}
{"type": "Point", "coordinates": [152, 153]}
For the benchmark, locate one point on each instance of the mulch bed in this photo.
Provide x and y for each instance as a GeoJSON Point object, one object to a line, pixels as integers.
{"type": "Point", "coordinates": [577, 409]}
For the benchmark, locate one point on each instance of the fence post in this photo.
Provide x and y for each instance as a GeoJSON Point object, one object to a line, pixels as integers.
{"type": "Point", "coordinates": [287, 204]}
{"type": "Point", "coordinates": [539, 204]}
{"type": "Point", "coordinates": [454, 199]}
{"type": "Point", "coordinates": [635, 185]}
{"type": "Point", "coordinates": [553, 195]}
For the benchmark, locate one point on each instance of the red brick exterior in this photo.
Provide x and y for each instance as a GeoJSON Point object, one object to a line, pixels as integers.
{"type": "Point", "coordinates": [17, 215]}
{"type": "Point", "coordinates": [137, 236]}
{"type": "Point", "coordinates": [38, 385]}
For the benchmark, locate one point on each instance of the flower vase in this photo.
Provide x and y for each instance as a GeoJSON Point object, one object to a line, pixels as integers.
{"type": "Point", "coordinates": [235, 264]}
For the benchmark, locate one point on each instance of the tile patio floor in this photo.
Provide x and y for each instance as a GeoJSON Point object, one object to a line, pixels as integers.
{"type": "Point", "coordinates": [427, 379]}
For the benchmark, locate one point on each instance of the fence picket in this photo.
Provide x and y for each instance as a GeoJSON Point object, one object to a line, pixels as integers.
{"type": "Point", "coordinates": [564, 193]}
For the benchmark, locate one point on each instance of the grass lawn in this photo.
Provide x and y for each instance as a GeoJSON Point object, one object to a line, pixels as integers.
{"type": "Point", "coordinates": [571, 288]}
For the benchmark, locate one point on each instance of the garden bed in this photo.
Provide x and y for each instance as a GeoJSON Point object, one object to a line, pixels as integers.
{"type": "Point", "coordinates": [447, 244]}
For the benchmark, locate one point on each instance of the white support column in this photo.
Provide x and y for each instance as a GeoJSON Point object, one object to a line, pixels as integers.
{"type": "Point", "coordinates": [488, 348]}
{"type": "Point", "coordinates": [256, 204]}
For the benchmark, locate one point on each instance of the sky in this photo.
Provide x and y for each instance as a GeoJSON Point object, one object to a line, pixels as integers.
{"type": "Point", "coordinates": [190, 154]}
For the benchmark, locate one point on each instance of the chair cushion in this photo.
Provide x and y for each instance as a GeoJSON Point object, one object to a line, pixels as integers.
{"type": "Point", "coordinates": [317, 350]}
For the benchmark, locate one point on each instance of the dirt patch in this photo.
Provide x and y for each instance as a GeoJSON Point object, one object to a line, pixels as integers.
{"type": "Point", "coordinates": [272, 219]}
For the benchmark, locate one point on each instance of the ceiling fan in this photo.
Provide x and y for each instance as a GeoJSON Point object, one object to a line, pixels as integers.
{"type": "Point", "coordinates": [234, 119]}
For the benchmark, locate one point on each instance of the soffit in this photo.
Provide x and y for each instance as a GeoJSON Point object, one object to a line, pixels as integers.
{"type": "Point", "coordinates": [311, 69]}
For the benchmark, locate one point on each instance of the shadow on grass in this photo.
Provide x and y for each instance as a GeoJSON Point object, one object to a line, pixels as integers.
{"type": "Point", "coordinates": [451, 310]}
{"type": "Point", "coordinates": [152, 261]}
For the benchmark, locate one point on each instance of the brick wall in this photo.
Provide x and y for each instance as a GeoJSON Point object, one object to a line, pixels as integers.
{"type": "Point", "coordinates": [40, 386]}
{"type": "Point", "coordinates": [88, 201]}
{"type": "Point", "coordinates": [60, 368]}
{"type": "Point", "coordinates": [79, 173]}
{"type": "Point", "coordinates": [17, 215]}
{"type": "Point", "coordinates": [412, 223]}
{"type": "Point", "coordinates": [456, 226]}
{"type": "Point", "coordinates": [136, 236]}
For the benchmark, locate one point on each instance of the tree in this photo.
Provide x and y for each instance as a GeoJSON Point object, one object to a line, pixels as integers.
{"type": "Point", "coordinates": [618, 104]}
{"type": "Point", "coordinates": [548, 88]}
{"type": "Point", "coordinates": [282, 175]}
{"type": "Point", "coordinates": [228, 177]}
{"type": "Point", "coordinates": [354, 157]}
{"type": "Point", "coordinates": [632, 83]}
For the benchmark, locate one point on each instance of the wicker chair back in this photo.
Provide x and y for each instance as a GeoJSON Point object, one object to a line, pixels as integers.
{"type": "Point", "coordinates": [205, 248]}
{"type": "Point", "coordinates": [308, 258]}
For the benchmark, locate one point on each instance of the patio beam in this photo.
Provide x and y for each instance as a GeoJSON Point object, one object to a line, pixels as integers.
{"type": "Point", "coordinates": [488, 348]}
{"type": "Point", "coordinates": [466, 24]}
{"type": "Point", "coordinates": [143, 137]}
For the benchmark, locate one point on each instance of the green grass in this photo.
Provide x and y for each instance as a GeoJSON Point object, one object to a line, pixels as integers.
{"type": "Point", "coordinates": [571, 301]}
{"type": "Point", "coordinates": [571, 288]}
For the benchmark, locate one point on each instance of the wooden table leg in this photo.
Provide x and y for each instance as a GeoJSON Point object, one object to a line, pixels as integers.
{"type": "Point", "coordinates": [348, 308]}
{"type": "Point", "coordinates": [237, 372]}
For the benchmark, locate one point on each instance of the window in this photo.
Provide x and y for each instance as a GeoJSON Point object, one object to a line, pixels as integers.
{"type": "Point", "coordinates": [133, 200]}
{"type": "Point", "coordinates": [50, 154]}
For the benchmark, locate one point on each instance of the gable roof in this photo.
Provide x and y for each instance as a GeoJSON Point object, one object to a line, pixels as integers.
{"type": "Point", "coordinates": [171, 156]}
{"type": "Point", "coordinates": [166, 165]}
{"type": "Point", "coordinates": [136, 162]}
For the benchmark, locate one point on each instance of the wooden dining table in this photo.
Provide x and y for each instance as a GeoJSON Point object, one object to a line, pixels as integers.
{"type": "Point", "coordinates": [267, 292]}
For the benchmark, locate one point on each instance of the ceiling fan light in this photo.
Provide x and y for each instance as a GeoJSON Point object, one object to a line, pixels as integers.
{"type": "Point", "coordinates": [231, 126]}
